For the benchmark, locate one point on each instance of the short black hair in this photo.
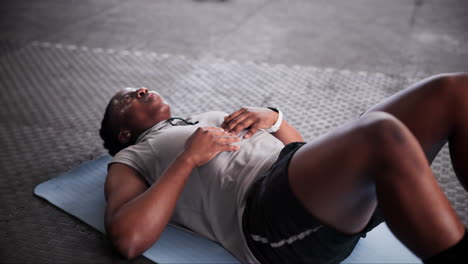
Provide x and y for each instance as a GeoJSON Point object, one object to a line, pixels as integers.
{"type": "Point", "coordinates": [109, 133]}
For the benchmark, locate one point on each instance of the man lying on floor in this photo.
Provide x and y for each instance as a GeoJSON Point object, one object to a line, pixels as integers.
{"type": "Point", "coordinates": [247, 181]}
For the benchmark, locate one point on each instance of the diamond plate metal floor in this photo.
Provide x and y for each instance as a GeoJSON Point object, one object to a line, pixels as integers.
{"type": "Point", "coordinates": [53, 97]}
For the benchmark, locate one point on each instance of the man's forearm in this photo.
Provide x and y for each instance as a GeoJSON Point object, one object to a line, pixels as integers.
{"type": "Point", "coordinates": [139, 223]}
{"type": "Point", "coordinates": [287, 133]}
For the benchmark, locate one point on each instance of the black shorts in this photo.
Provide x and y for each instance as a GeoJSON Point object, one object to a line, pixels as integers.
{"type": "Point", "coordinates": [278, 229]}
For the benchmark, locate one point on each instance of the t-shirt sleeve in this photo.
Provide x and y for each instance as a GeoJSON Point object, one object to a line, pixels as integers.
{"type": "Point", "coordinates": [140, 157]}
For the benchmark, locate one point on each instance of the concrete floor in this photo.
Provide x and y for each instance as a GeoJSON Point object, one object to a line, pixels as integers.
{"type": "Point", "coordinates": [401, 37]}
{"type": "Point", "coordinates": [396, 37]}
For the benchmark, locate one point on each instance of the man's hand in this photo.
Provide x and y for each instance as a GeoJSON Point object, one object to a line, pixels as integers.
{"type": "Point", "coordinates": [252, 118]}
{"type": "Point", "coordinates": [206, 142]}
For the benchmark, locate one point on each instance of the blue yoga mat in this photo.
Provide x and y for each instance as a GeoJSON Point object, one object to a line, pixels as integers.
{"type": "Point", "coordinates": [80, 192]}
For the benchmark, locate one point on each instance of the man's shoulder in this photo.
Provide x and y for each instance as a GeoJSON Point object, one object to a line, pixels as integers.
{"type": "Point", "coordinates": [134, 152]}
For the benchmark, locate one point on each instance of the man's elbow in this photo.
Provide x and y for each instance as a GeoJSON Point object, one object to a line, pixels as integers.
{"type": "Point", "coordinates": [128, 247]}
{"type": "Point", "coordinates": [129, 240]}
{"type": "Point", "coordinates": [130, 253]}
{"type": "Point", "coordinates": [125, 241]}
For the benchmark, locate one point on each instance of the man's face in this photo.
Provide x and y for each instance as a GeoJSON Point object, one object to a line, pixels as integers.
{"type": "Point", "coordinates": [138, 109]}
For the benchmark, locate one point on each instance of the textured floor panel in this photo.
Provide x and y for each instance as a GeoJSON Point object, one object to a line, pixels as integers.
{"type": "Point", "coordinates": [53, 97]}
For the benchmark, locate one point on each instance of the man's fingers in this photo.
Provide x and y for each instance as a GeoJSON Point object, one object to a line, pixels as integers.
{"type": "Point", "coordinates": [232, 116]}
{"type": "Point", "coordinates": [235, 122]}
{"type": "Point", "coordinates": [235, 114]}
{"type": "Point", "coordinates": [242, 125]}
{"type": "Point", "coordinates": [251, 132]}
{"type": "Point", "coordinates": [227, 139]}
{"type": "Point", "coordinates": [211, 128]}
{"type": "Point", "coordinates": [228, 147]}
{"type": "Point", "coordinates": [219, 133]}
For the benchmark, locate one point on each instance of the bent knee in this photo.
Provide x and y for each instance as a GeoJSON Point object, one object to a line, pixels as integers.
{"type": "Point", "coordinates": [453, 79]}
{"type": "Point", "coordinates": [391, 142]}
{"type": "Point", "coordinates": [383, 130]}
{"type": "Point", "coordinates": [451, 86]}
{"type": "Point", "coordinates": [457, 84]}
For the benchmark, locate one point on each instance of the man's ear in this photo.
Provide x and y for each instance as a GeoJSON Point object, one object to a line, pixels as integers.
{"type": "Point", "coordinates": [124, 136]}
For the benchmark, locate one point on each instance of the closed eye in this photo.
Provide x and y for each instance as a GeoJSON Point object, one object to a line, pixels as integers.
{"type": "Point", "coordinates": [126, 98]}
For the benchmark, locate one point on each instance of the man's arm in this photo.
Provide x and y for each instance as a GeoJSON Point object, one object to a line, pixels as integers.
{"type": "Point", "coordinates": [259, 118]}
{"type": "Point", "coordinates": [135, 217]}
{"type": "Point", "coordinates": [288, 133]}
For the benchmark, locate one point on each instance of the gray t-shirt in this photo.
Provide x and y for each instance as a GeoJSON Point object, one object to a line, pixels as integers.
{"type": "Point", "coordinates": [213, 198]}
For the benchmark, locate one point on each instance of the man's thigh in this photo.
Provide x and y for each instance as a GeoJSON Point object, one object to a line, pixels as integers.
{"type": "Point", "coordinates": [331, 176]}
{"type": "Point", "coordinates": [279, 229]}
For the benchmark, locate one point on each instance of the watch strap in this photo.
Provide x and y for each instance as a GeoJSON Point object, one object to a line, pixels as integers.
{"type": "Point", "coordinates": [275, 127]}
